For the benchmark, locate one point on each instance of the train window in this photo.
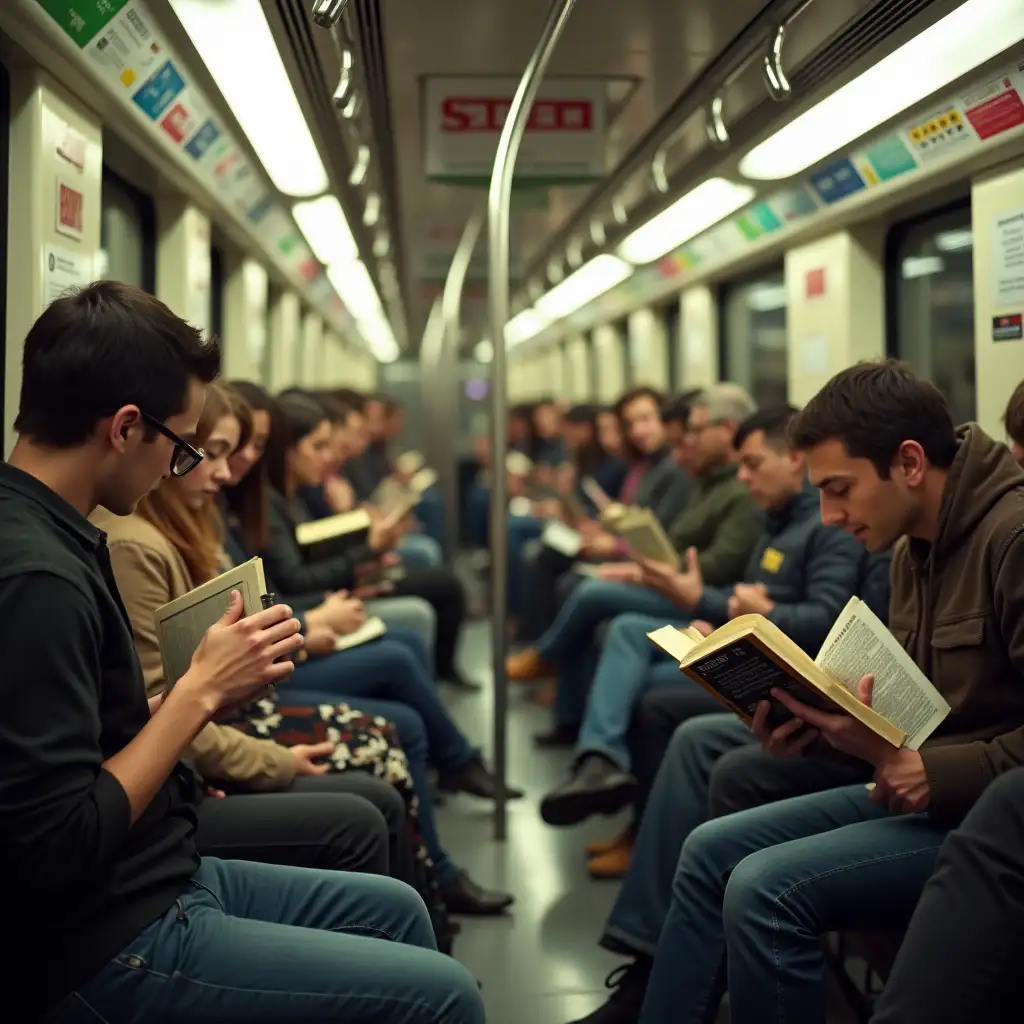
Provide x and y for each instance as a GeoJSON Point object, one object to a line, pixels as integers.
{"type": "Point", "coordinates": [930, 302]}
{"type": "Point", "coordinates": [127, 234]}
{"type": "Point", "coordinates": [753, 318]}
{"type": "Point", "coordinates": [218, 268]}
{"type": "Point", "coordinates": [670, 317]}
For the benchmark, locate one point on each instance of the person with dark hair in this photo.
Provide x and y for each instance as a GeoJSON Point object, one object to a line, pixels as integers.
{"type": "Point", "coordinates": [758, 889]}
{"type": "Point", "coordinates": [799, 575]}
{"type": "Point", "coordinates": [960, 959]}
{"type": "Point", "coordinates": [97, 811]}
{"type": "Point", "coordinates": [1013, 420]}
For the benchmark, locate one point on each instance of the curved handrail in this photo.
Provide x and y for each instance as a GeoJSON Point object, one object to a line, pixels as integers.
{"type": "Point", "coordinates": [327, 13]}
{"type": "Point", "coordinates": [499, 200]}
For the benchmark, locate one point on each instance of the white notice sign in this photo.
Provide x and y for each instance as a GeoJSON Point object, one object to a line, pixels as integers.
{"type": "Point", "coordinates": [1008, 259]}
{"type": "Point", "coordinates": [564, 140]}
{"type": "Point", "coordinates": [64, 269]}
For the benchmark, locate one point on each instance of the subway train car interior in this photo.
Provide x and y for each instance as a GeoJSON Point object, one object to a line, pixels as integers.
{"type": "Point", "coordinates": [608, 420]}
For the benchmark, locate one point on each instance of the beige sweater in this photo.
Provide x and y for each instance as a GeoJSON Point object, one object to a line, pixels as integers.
{"type": "Point", "coordinates": [149, 573]}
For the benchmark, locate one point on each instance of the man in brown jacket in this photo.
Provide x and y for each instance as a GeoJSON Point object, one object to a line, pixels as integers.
{"type": "Point", "coordinates": [760, 888]}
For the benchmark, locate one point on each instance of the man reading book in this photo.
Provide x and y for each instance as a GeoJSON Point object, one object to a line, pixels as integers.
{"type": "Point", "coordinates": [758, 889]}
{"type": "Point", "coordinates": [108, 904]}
{"type": "Point", "coordinates": [719, 520]}
{"type": "Point", "coordinates": [800, 575]}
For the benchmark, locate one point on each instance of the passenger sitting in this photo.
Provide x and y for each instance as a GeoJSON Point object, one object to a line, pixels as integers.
{"type": "Point", "coordinates": [1013, 419]}
{"type": "Point", "coordinates": [720, 522]}
{"type": "Point", "coordinates": [653, 480]}
{"type": "Point", "coordinates": [171, 545]}
{"type": "Point", "coordinates": [960, 959]}
{"type": "Point", "coordinates": [97, 811]}
{"type": "Point", "coordinates": [759, 888]}
{"type": "Point", "coordinates": [297, 452]}
{"type": "Point", "coordinates": [800, 576]}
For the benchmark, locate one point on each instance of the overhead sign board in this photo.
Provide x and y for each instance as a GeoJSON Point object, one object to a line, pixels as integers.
{"type": "Point", "coordinates": [564, 142]}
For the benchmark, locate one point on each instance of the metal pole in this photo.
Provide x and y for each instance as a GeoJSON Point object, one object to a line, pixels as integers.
{"type": "Point", "coordinates": [451, 304]}
{"type": "Point", "coordinates": [499, 200]}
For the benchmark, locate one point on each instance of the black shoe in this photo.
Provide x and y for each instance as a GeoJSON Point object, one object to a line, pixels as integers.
{"type": "Point", "coordinates": [464, 896]}
{"type": "Point", "coordinates": [459, 681]}
{"type": "Point", "coordinates": [597, 786]}
{"type": "Point", "coordinates": [629, 986]}
{"type": "Point", "coordinates": [476, 780]}
{"type": "Point", "coordinates": [558, 737]}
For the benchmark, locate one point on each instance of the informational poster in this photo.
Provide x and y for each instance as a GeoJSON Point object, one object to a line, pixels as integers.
{"type": "Point", "coordinates": [82, 20]}
{"type": "Point", "coordinates": [63, 270]}
{"type": "Point", "coordinates": [1008, 259]}
{"type": "Point", "coordinates": [565, 139]}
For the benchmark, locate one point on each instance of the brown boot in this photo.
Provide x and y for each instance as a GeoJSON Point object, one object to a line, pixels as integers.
{"type": "Point", "coordinates": [602, 846]}
{"type": "Point", "coordinates": [615, 862]}
{"type": "Point", "coordinates": [526, 667]}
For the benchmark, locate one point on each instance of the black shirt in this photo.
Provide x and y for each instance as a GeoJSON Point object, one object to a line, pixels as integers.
{"type": "Point", "coordinates": [79, 880]}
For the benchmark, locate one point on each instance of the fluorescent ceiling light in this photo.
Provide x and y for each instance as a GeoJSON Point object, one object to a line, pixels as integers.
{"type": "Point", "coordinates": [523, 326]}
{"type": "Point", "coordinates": [921, 266]}
{"type": "Point", "coordinates": [584, 285]}
{"type": "Point", "coordinates": [352, 282]}
{"type": "Point", "coordinates": [687, 217]}
{"type": "Point", "coordinates": [953, 241]}
{"type": "Point", "coordinates": [763, 298]}
{"type": "Point", "coordinates": [323, 223]}
{"type": "Point", "coordinates": [968, 36]}
{"type": "Point", "coordinates": [234, 41]}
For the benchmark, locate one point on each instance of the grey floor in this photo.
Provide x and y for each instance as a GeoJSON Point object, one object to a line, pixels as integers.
{"type": "Point", "coordinates": [541, 964]}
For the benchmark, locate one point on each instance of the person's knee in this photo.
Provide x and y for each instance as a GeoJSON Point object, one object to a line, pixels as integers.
{"type": "Point", "coordinates": [457, 996]}
{"type": "Point", "coordinates": [733, 785]}
{"type": "Point", "coordinates": [628, 630]}
{"type": "Point", "coordinates": [360, 825]}
{"type": "Point", "coordinates": [752, 895]}
{"type": "Point", "coordinates": [389, 804]}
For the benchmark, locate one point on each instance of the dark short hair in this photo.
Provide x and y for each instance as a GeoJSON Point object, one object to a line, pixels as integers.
{"type": "Point", "coordinates": [872, 408]}
{"type": "Point", "coordinates": [633, 394]}
{"type": "Point", "coordinates": [102, 347]}
{"type": "Point", "coordinates": [356, 399]}
{"type": "Point", "coordinates": [293, 417]}
{"type": "Point", "coordinates": [1013, 418]}
{"type": "Point", "coordinates": [583, 413]}
{"type": "Point", "coordinates": [774, 422]}
{"type": "Point", "coordinates": [677, 408]}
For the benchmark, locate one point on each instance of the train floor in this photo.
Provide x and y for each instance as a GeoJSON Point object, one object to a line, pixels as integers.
{"type": "Point", "coordinates": [541, 964]}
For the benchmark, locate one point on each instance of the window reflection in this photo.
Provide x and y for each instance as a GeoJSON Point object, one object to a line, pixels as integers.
{"type": "Point", "coordinates": [934, 294]}
{"type": "Point", "coordinates": [127, 234]}
{"type": "Point", "coordinates": [755, 337]}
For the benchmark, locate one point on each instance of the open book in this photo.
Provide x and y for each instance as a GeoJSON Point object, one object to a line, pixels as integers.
{"type": "Point", "coordinates": [742, 661]}
{"type": "Point", "coordinates": [372, 628]}
{"type": "Point", "coordinates": [182, 623]}
{"type": "Point", "coordinates": [333, 535]}
{"type": "Point", "coordinates": [409, 463]}
{"type": "Point", "coordinates": [397, 500]}
{"type": "Point", "coordinates": [641, 530]}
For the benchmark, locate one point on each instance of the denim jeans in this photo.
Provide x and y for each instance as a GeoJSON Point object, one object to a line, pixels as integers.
{"type": "Point", "coordinates": [630, 666]}
{"type": "Point", "coordinates": [266, 943]}
{"type": "Point", "coordinates": [430, 513]}
{"type": "Point", "coordinates": [758, 890]}
{"type": "Point", "coordinates": [419, 549]}
{"type": "Point", "coordinates": [521, 529]}
{"type": "Point", "coordinates": [477, 515]}
{"type": "Point", "coordinates": [408, 613]}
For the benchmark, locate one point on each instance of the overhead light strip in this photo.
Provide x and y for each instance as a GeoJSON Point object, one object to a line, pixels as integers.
{"type": "Point", "coordinates": [973, 33]}
{"type": "Point", "coordinates": [234, 41]}
{"type": "Point", "coordinates": [584, 285]}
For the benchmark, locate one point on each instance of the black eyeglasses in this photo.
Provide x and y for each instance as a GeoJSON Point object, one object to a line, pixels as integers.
{"type": "Point", "coordinates": [185, 457]}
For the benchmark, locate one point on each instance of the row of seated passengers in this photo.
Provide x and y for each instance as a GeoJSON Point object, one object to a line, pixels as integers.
{"type": "Point", "coordinates": [755, 536]}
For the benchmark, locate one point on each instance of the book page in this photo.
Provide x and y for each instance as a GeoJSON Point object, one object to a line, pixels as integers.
{"type": "Point", "coordinates": [858, 645]}
{"type": "Point", "coordinates": [647, 539]}
{"type": "Point", "coordinates": [561, 538]}
{"type": "Point", "coordinates": [676, 643]}
{"type": "Point", "coordinates": [371, 629]}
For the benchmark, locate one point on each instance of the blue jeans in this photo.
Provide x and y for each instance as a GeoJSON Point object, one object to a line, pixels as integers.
{"type": "Point", "coordinates": [430, 513]}
{"type": "Point", "coordinates": [521, 529]}
{"type": "Point", "coordinates": [408, 613]}
{"type": "Point", "coordinates": [266, 943]}
{"type": "Point", "coordinates": [629, 666]}
{"type": "Point", "coordinates": [419, 549]}
{"type": "Point", "coordinates": [477, 515]}
{"type": "Point", "coordinates": [760, 888]}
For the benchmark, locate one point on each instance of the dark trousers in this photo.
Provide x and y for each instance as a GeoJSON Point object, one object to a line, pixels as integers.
{"type": "Point", "coordinates": [441, 588]}
{"type": "Point", "coordinates": [546, 586]}
{"type": "Point", "coordinates": [962, 956]}
{"type": "Point", "coordinates": [339, 822]}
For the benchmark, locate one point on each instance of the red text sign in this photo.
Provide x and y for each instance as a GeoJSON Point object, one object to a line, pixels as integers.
{"type": "Point", "coordinates": [488, 114]}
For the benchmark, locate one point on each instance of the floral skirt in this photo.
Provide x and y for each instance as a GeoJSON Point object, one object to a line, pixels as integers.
{"type": "Point", "coordinates": [362, 742]}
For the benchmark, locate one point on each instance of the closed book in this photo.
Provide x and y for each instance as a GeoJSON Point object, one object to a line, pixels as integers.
{"type": "Point", "coordinates": [333, 535]}
{"type": "Point", "coordinates": [371, 629]}
{"type": "Point", "coordinates": [182, 623]}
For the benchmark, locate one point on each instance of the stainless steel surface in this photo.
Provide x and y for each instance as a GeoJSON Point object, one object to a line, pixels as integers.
{"type": "Point", "coordinates": [499, 202]}
{"type": "Point", "coordinates": [327, 13]}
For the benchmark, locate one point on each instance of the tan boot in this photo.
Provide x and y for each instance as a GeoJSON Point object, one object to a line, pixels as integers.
{"type": "Point", "coordinates": [526, 667]}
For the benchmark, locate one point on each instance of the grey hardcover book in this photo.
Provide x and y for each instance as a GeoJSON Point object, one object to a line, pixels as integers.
{"type": "Point", "coordinates": [182, 623]}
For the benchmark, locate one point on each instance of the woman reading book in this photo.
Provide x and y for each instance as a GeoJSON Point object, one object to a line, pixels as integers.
{"type": "Point", "coordinates": [171, 545]}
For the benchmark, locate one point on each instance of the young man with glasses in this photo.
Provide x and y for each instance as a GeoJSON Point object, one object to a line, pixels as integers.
{"type": "Point", "coordinates": [109, 912]}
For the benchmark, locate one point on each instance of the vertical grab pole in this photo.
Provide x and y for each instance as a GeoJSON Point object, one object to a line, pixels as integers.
{"type": "Point", "coordinates": [451, 303]}
{"type": "Point", "coordinates": [499, 199]}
